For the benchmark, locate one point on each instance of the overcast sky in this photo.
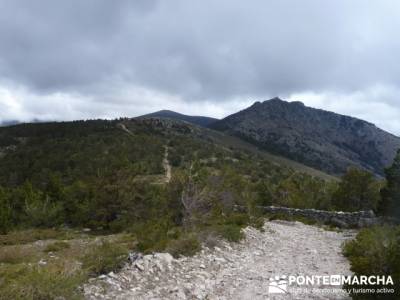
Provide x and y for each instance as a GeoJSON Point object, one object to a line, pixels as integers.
{"type": "Point", "coordinates": [63, 60]}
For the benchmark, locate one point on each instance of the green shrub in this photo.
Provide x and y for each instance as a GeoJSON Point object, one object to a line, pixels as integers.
{"type": "Point", "coordinates": [257, 223]}
{"type": "Point", "coordinates": [104, 258]}
{"type": "Point", "coordinates": [232, 233]}
{"type": "Point", "coordinates": [376, 251]}
{"type": "Point", "coordinates": [152, 236]}
{"type": "Point", "coordinates": [187, 246]}
{"type": "Point", "coordinates": [239, 219]}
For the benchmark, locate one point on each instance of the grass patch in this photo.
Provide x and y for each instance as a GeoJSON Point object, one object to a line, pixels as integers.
{"type": "Point", "coordinates": [32, 235]}
{"type": "Point", "coordinates": [57, 246]}
{"type": "Point", "coordinates": [17, 254]}
{"type": "Point", "coordinates": [21, 277]}
{"type": "Point", "coordinates": [36, 282]}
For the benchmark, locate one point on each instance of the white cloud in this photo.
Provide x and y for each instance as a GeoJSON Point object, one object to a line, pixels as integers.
{"type": "Point", "coordinates": [126, 58]}
{"type": "Point", "coordinates": [19, 103]}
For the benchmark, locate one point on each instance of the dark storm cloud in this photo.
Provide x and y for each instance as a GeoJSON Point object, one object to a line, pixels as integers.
{"type": "Point", "coordinates": [56, 44]}
{"type": "Point", "coordinates": [197, 51]}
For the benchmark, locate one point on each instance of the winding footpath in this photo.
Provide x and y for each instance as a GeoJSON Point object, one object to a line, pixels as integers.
{"type": "Point", "coordinates": [233, 270]}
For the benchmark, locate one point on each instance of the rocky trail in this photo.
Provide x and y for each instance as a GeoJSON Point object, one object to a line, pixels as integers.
{"type": "Point", "coordinates": [232, 270]}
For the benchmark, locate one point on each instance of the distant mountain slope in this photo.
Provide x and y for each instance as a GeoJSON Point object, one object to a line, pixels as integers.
{"type": "Point", "coordinates": [6, 123]}
{"type": "Point", "coordinates": [198, 120]}
{"type": "Point", "coordinates": [318, 138]}
{"type": "Point", "coordinates": [9, 123]}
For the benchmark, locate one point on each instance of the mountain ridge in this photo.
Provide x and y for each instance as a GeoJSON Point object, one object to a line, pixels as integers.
{"type": "Point", "coordinates": [321, 139]}
{"type": "Point", "coordinates": [197, 120]}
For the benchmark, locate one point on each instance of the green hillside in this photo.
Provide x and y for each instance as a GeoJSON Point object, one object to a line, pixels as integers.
{"type": "Point", "coordinates": [95, 173]}
{"type": "Point", "coordinates": [94, 190]}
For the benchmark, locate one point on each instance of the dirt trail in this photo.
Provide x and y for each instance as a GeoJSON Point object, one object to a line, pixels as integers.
{"type": "Point", "coordinates": [167, 166]}
{"type": "Point", "coordinates": [233, 270]}
{"type": "Point", "coordinates": [124, 128]}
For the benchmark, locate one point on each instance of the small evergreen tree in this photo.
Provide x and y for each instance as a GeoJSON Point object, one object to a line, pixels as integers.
{"type": "Point", "coordinates": [390, 204]}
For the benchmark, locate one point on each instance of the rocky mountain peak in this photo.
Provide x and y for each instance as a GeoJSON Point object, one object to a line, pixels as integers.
{"type": "Point", "coordinates": [276, 99]}
{"type": "Point", "coordinates": [318, 138]}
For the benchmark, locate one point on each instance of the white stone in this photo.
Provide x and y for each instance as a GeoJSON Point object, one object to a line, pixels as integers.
{"type": "Point", "coordinates": [139, 266]}
{"type": "Point", "coordinates": [164, 257]}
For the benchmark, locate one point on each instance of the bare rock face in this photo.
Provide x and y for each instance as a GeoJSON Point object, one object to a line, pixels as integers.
{"type": "Point", "coordinates": [318, 138]}
{"type": "Point", "coordinates": [233, 270]}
